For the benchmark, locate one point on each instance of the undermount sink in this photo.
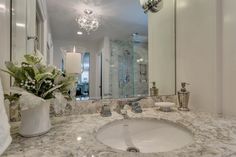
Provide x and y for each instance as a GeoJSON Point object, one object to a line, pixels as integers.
{"type": "Point", "coordinates": [144, 135]}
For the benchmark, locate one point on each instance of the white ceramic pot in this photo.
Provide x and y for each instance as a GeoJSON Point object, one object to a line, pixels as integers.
{"type": "Point", "coordinates": [35, 121]}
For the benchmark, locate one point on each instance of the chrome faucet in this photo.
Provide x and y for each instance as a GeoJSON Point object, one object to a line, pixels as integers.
{"type": "Point", "coordinates": [105, 111]}
{"type": "Point", "coordinates": [136, 99]}
{"type": "Point", "coordinates": [135, 107]}
{"type": "Point", "coordinates": [133, 103]}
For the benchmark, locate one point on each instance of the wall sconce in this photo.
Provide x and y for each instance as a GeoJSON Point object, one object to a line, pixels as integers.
{"type": "Point", "coordinates": [151, 5]}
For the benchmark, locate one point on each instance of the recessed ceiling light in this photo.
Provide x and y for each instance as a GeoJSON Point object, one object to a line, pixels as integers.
{"type": "Point", "coordinates": [80, 33]}
{"type": "Point", "coordinates": [20, 24]}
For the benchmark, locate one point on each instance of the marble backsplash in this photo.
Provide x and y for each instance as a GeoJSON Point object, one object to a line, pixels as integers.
{"type": "Point", "coordinates": [92, 106]}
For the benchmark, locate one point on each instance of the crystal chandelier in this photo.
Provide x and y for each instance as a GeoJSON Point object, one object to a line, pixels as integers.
{"type": "Point", "coordinates": [88, 21]}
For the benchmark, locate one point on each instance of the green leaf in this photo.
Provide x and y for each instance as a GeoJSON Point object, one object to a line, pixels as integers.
{"type": "Point", "coordinates": [28, 76]}
{"type": "Point", "coordinates": [36, 71]}
{"type": "Point", "coordinates": [9, 72]}
{"type": "Point", "coordinates": [51, 90]}
{"type": "Point", "coordinates": [43, 76]}
{"type": "Point", "coordinates": [11, 67]}
{"type": "Point", "coordinates": [20, 75]}
{"type": "Point", "coordinates": [32, 59]}
{"type": "Point", "coordinates": [14, 71]}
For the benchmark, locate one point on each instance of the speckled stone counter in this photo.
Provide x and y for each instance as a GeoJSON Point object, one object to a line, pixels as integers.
{"type": "Point", "coordinates": [214, 137]}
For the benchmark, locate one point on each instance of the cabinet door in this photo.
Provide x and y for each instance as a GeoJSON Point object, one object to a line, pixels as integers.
{"type": "Point", "coordinates": [19, 32]}
{"type": "Point", "coordinates": [23, 28]}
{"type": "Point", "coordinates": [31, 25]}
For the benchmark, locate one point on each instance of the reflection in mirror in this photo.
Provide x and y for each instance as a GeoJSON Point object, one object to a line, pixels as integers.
{"type": "Point", "coordinates": [112, 37]}
{"type": "Point", "coordinates": [162, 48]}
{"type": "Point", "coordinates": [128, 67]}
{"type": "Point", "coordinates": [122, 48]}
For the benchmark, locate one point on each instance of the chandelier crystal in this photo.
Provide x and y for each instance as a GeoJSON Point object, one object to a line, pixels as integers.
{"type": "Point", "coordinates": [88, 21]}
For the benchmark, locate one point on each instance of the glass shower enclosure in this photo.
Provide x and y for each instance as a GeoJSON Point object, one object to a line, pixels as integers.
{"type": "Point", "coordinates": [129, 67]}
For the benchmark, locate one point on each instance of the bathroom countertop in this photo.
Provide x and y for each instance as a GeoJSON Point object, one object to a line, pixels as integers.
{"type": "Point", "coordinates": [214, 137]}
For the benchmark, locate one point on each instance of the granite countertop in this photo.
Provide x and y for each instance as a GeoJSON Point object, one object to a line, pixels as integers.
{"type": "Point", "coordinates": [213, 136]}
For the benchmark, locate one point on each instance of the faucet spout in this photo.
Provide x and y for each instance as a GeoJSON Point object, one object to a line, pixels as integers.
{"type": "Point", "coordinates": [136, 99]}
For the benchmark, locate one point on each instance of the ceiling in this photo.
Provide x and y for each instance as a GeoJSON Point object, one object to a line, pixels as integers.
{"type": "Point", "coordinates": [119, 19]}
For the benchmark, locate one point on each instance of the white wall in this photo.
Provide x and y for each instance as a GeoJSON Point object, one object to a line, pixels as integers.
{"type": "Point", "coordinates": [4, 41]}
{"type": "Point", "coordinates": [57, 53]}
{"type": "Point", "coordinates": [197, 51]}
{"type": "Point", "coordinates": [161, 37]}
{"type": "Point", "coordinates": [102, 48]}
{"type": "Point", "coordinates": [92, 75]}
{"type": "Point", "coordinates": [98, 75]}
{"type": "Point", "coordinates": [229, 57]}
{"type": "Point", "coordinates": [106, 51]}
{"type": "Point", "coordinates": [206, 53]}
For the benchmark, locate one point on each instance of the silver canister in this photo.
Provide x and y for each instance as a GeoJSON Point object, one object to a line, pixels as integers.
{"type": "Point", "coordinates": [183, 97]}
{"type": "Point", "coordinates": [153, 90]}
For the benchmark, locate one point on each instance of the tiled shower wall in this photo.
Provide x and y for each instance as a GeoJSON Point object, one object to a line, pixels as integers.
{"type": "Point", "coordinates": [140, 68]}
{"type": "Point", "coordinates": [121, 69]}
{"type": "Point", "coordinates": [128, 69]}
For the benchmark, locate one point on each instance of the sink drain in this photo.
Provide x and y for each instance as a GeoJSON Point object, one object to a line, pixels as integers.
{"type": "Point", "coordinates": [132, 149]}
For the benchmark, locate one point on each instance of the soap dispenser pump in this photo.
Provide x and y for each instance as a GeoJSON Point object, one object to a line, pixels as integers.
{"type": "Point", "coordinates": [183, 97]}
{"type": "Point", "coordinates": [153, 90]}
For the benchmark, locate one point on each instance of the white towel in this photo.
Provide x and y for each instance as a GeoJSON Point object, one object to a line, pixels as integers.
{"type": "Point", "coordinates": [5, 137]}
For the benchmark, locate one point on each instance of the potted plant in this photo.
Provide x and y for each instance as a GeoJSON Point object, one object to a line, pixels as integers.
{"type": "Point", "coordinates": [37, 85]}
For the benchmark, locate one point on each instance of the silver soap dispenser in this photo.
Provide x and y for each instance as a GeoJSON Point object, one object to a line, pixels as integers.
{"type": "Point", "coordinates": [153, 90]}
{"type": "Point", "coordinates": [183, 97]}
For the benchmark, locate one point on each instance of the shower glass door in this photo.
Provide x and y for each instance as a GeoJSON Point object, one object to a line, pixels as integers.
{"type": "Point", "coordinates": [128, 68]}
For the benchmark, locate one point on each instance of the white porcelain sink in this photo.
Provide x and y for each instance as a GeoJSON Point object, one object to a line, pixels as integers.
{"type": "Point", "coordinates": [146, 135]}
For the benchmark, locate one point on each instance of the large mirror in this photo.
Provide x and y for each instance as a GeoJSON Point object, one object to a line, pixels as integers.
{"type": "Point", "coordinates": [122, 48]}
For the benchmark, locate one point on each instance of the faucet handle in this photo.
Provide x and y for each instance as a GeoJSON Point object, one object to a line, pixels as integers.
{"type": "Point", "coordinates": [123, 112]}
{"type": "Point", "coordinates": [106, 111]}
{"type": "Point", "coordinates": [126, 107]}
